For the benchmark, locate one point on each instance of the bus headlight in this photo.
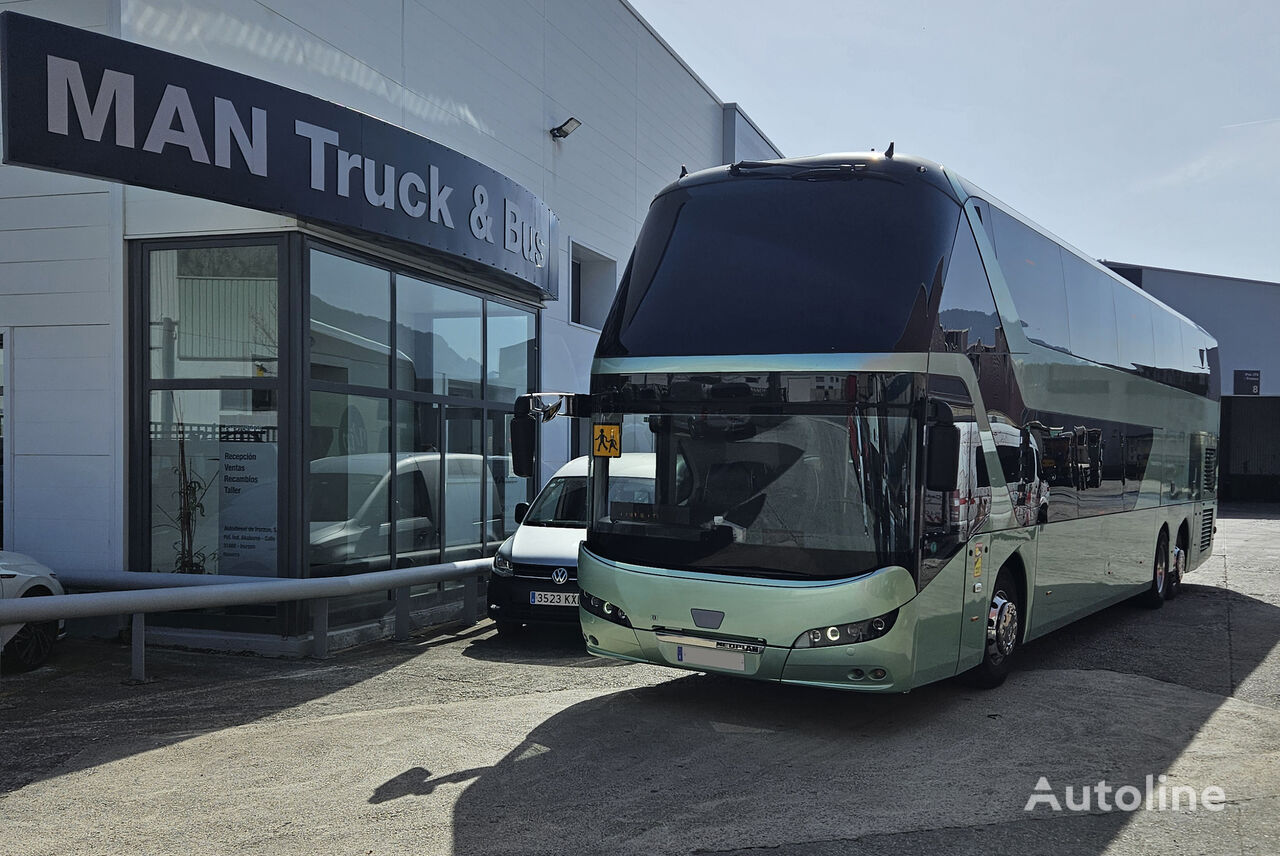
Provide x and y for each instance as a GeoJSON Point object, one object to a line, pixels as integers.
{"type": "Point", "coordinates": [601, 608]}
{"type": "Point", "coordinates": [847, 634]}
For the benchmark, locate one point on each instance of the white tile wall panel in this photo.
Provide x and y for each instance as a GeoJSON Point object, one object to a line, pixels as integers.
{"type": "Point", "coordinates": [54, 211]}
{"type": "Point", "coordinates": [70, 307]}
{"type": "Point", "coordinates": [61, 436]}
{"type": "Point", "coordinates": [86, 14]}
{"type": "Point", "coordinates": [67, 374]}
{"type": "Point", "coordinates": [18, 181]}
{"type": "Point", "coordinates": [509, 32]}
{"type": "Point", "coordinates": [67, 560]}
{"type": "Point", "coordinates": [156, 212]}
{"type": "Point", "coordinates": [370, 29]}
{"type": "Point", "coordinates": [47, 406]}
{"type": "Point", "coordinates": [33, 534]}
{"type": "Point", "coordinates": [63, 472]}
{"type": "Point", "coordinates": [38, 245]}
{"type": "Point", "coordinates": [52, 277]}
{"type": "Point", "coordinates": [41, 502]}
{"type": "Point", "coordinates": [88, 342]}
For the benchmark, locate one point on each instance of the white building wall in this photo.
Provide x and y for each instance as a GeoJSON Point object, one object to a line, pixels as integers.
{"type": "Point", "coordinates": [61, 308]}
{"type": "Point", "coordinates": [485, 77]}
{"type": "Point", "coordinates": [488, 78]}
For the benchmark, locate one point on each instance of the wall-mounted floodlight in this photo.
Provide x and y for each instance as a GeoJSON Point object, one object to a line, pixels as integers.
{"type": "Point", "coordinates": [566, 128]}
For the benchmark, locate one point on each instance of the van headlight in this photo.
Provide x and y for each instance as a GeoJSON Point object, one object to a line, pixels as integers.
{"type": "Point", "coordinates": [847, 634]}
{"type": "Point", "coordinates": [502, 564]}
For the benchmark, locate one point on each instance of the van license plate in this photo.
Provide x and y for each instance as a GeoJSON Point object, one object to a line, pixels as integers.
{"type": "Point", "coordinates": [553, 598]}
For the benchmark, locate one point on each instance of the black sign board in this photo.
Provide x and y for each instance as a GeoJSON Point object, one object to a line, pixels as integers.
{"type": "Point", "coordinates": [1248, 382]}
{"type": "Point", "coordinates": [88, 104]}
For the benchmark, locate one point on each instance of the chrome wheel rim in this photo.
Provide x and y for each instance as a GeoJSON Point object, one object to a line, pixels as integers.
{"type": "Point", "coordinates": [1002, 626]}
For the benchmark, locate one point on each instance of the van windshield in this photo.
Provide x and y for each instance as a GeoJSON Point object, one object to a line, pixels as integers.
{"type": "Point", "coordinates": [563, 502]}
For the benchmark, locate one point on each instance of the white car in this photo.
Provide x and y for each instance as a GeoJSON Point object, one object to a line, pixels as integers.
{"type": "Point", "coordinates": [26, 646]}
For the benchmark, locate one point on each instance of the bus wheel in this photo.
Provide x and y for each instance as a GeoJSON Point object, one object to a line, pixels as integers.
{"type": "Point", "coordinates": [1178, 567]}
{"type": "Point", "coordinates": [1004, 629]}
{"type": "Point", "coordinates": [1153, 597]}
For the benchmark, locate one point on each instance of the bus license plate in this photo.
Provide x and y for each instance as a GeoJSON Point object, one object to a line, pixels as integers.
{"type": "Point", "coordinates": [553, 598]}
{"type": "Point", "coordinates": [695, 655]}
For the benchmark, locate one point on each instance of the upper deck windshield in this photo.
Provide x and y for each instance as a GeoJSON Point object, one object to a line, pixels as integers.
{"type": "Point", "coordinates": [835, 262]}
{"type": "Point", "coordinates": [782, 475]}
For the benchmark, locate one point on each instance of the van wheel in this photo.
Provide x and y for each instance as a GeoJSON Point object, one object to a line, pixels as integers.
{"type": "Point", "coordinates": [1153, 597]}
{"type": "Point", "coordinates": [1004, 630]}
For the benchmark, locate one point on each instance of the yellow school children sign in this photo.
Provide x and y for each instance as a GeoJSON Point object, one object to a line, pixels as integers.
{"type": "Point", "coordinates": [606, 441]}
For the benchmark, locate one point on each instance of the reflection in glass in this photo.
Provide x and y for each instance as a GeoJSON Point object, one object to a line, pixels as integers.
{"type": "Point", "coordinates": [350, 321]}
{"type": "Point", "coordinates": [511, 343]}
{"type": "Point", "coordinates": [1133, 322]}
{"type": "Point", "coordinates": [786, 475]}
{"type": "Point", "coordinates": [967, 319]}
{"type": "Point", "coordinates": [438, 338]}
{"type": "Point", "coordinates": [418, 506]}
{"type": "Point", "coordinates": [1032, 266]}
{"type": "Point", "coordinates": [214, 312]}
{"type": "Point", "coordinates": [1091, 310]}
{"type": "Point", "coordinates": [214, 483]}
{"type": "Point", "coordinates": [348, 488]}
{"type": "Point", "coordinates": [506, 489]}
{"type": "Point", "coordinates": [465, 483]}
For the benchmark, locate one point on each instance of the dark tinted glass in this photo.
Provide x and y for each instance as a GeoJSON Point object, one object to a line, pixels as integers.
{"type": "Point", "coordinates": [1133, 325]}
{"type": "Point", "coordinates": [967, 319]}
{"type": "Point", "coordinates": [777, 265]}
{"type": "Point", "coordinates": [1168, 341]}
{"type": "Point", "coordinates": [1032, 265]}
{"type": "Point", "coordinates": [1090, 310]}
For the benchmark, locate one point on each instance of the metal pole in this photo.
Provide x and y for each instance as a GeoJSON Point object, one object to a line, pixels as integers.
{"type": "Point", "coordinates": [320, 628]}
{"type": "Point", "coordinates": [138, 641]}
{"type": "Point", "coordinates": [402, 613]}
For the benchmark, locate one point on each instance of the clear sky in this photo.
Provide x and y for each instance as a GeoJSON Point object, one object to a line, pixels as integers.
{"type": "Point", "coordinates": [1143, 131]}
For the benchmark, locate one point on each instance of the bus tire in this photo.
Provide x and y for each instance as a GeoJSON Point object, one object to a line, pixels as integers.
{"type": "Point", "coordinates": [1004, 634]}
{"type": "Point", "coordinates": [1177, 567]}
{"type": "Point", "coordinates": [1153, 597]}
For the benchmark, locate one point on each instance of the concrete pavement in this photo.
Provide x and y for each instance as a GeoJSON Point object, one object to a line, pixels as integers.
{"type": "Point", "coordinates": [472, 744]}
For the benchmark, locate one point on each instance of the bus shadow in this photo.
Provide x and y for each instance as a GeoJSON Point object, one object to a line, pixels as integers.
{"type": "Point", "coordinates": [536, 645]}
{"type": "Point", "coordinates": [708, 764]}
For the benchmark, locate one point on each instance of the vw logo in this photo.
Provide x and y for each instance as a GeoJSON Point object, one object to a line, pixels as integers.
{"type": "Point", "coordinates": [560, 576]}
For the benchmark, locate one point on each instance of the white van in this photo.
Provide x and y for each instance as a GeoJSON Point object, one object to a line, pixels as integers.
{"type": "Point", "coordinates": [349, 509]}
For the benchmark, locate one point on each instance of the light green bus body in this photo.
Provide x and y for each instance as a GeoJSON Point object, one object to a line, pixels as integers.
{"type": "Point", "coordinates": [1068, 568]}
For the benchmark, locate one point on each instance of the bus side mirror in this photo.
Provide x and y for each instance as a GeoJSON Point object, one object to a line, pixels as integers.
{"type": "Point", "coordinates": [522, 508]}
{"type": "Point", "coordinates": [943, 462]}
{"type": "Point", "coordinates": [523, 440]}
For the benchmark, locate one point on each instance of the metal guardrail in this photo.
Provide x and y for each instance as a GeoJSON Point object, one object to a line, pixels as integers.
{"type": "Point", "coordinates": [151, 592]}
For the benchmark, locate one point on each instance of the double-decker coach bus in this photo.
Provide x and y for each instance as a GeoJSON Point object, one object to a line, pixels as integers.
{"type": "Point", "coordinates": [898, 431]}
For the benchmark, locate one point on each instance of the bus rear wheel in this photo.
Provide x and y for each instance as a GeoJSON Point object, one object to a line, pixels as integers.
{"type": "Point", "coordinates": [1004, 630]}
{"type": "Point", "coordinates": [1153, 597]}
{"type": "Point", "coordinates": [1177, 567]}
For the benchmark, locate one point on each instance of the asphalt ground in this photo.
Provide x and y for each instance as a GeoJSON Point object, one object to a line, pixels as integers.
{"type": "Point", "coordinates": [475, 744]}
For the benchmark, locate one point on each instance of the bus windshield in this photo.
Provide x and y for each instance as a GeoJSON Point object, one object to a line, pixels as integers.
{"type": "Point", "coordinates": [785, 476]}
{"type": "Point", "coordinates": [779, 265]}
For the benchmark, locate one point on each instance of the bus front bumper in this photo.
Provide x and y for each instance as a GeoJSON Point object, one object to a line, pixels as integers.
{"type": "Point", "coordinates": [760, 627]}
